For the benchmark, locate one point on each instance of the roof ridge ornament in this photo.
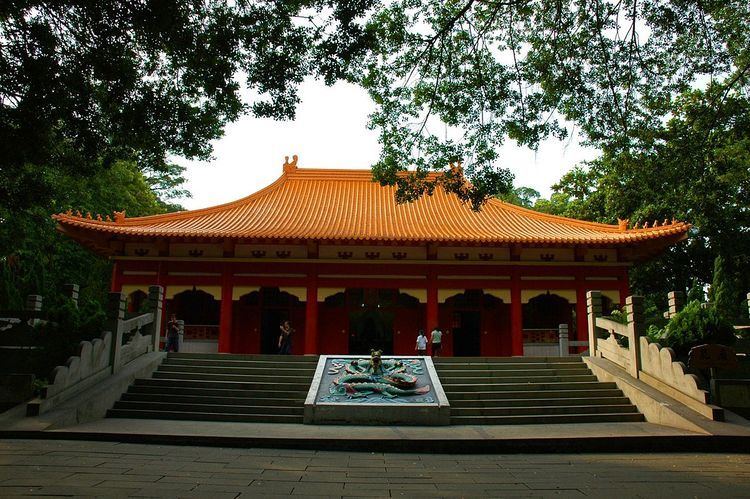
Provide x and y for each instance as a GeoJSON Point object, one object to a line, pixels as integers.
{"type": "Point", "coordinates": [622, 225]}
{"type": "Point", "coordinates": [290, 167]}
{"type": "Point", "coordinates": [119, 216]}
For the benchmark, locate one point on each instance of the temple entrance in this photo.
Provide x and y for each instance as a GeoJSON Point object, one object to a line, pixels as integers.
{"type": "Point", "coordinates": [257, 317]}
{"type": "Point", "coordinates": [200, 311]}
{"type": "Point", "coordinates": [370, 330]}
{"type": "Point", "coordinates": [475, 323]}
{"type": "Point", "coordinates": [467, 334]}
{"type": "Point", "coordinates": [542, 316]}
{"type": "Point", "coordinates": [371, 320]}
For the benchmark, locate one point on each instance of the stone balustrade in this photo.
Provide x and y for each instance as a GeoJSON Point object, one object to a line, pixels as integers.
{"type": "Point", "coordinates": [124, 341]}
{"type": "Point", "coordinates": [649, 362]}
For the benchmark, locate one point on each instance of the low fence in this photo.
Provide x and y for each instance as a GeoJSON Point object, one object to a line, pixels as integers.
{"type": "Point", "coordinates": [627, 346]}
{"type": "Point", "coordinates": [124, 341]}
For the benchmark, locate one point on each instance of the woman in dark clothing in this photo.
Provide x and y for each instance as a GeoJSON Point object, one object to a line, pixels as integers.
{"type": "Point", "coordinates": [285, 338]}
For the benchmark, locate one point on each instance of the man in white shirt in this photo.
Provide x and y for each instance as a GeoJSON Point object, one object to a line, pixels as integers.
{"type": "Point", "coordinates": [421, 347]}
{"type": "Point", "coordinates": [436, 338]}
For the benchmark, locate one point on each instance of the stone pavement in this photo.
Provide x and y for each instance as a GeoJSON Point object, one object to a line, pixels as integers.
{"type": "Point", "coordinates": [84, 468]}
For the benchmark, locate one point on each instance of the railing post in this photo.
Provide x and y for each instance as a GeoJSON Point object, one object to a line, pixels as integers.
{"type": "Point", "coordinates": [33, 304]}
{"type": "Point", "coordinates": [593, 310]}
{"type": "Point", "coordinates": [748, 304]}
{"type": "Point", "coordinates": [636, 329]}
{"type": "Point", "coordinates": [71, 291]}
{"type": "Point", "coordinates": [155, 305]}
{"type": "Point", "coordinates": [562, 338]}
{"type": "Point", "coordinates": [676, 301]}
{"type": "Point", "coordinates": [181, 334]}
{"type": "Point", "coordinates": [116, 305]}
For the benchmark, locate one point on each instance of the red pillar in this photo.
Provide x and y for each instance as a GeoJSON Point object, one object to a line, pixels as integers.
{"type": "Point", "coordinates": [624, 287]}
{"type": "Point", "coordinates": [225, 320]}
{"type": "Point", "coordinates": [516, 318]}
{"type": "Point", "coordinates": [115, 285]}
{"type": "Point", "coordinates": [582, 322]}
{"type": "Point", "coordinates": [311, 317]}
{"type": "Point", "coordinates": [431, 318]}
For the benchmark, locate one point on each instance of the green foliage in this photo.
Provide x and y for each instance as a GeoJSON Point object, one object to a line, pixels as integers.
{"type": "Point", "coordinates": [723, 294]}
{"type": "Point", "coordinates": [455, 80]}
{"type": "Point", "coordinates": [618, 315]}
{"type": "Point", "coordinates": [521, 196]}
{"type": "Point", "coordinates": [694, 325]}
{"type": "Point", "coordinates": [39, 260]}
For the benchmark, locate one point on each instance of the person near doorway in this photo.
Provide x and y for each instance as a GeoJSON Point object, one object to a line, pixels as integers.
{"type": "Point", "coordinates": [285, 338]}
{"type": "Point", "coordinates": [436, 338]}
{"type": "Point", "coordinates": [173, 335]}
{"type": "Point", "coordinates": [421, 347]}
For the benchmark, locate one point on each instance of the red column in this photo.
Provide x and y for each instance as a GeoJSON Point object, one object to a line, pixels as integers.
{"type": "Point", "coordinates": [582, 322]}
{"type": "Point", "coordinates": [624, 287]}
{"type": "Point", "coordinates": [311, 317]}
{"type": "Point", "coordinates": [431, 319]}
{"type": "Point", "coordinates": [516, 318]}
{"type": "Point", "coordinates": [115, 285]}
{"type": "Point", "coordinates": [225, 320]}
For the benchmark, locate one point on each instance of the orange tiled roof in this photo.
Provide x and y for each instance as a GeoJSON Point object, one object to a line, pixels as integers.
{"type": "Point", "coordinates": [320, 204]}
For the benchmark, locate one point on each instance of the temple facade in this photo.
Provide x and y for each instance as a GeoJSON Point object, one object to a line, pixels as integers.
{"type": "Point", "coordinates": [332, 252]}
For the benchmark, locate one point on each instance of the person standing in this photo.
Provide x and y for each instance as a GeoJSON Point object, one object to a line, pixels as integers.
{"type": "Point", "coordinates": [285, 338]}
{"type": "Point", "coordinates": [421, 347]}
{"type": "Point", "coordinates": [436, 338]}
{"type": "Point", "coordinates": [173, 335]}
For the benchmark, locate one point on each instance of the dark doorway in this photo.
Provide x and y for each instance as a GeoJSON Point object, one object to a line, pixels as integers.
{"type": "Point", "coordinates": [276, 307]}
{"type": "Point", "coordinates": [370, 329]}
{"type": "Point", "coordinates": [270, 322]}
{"type": "Point", "coordinates": [467, 334]}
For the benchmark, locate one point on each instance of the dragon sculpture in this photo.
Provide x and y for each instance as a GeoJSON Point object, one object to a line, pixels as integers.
{"type": "Point", "coordinates": [363, 377]}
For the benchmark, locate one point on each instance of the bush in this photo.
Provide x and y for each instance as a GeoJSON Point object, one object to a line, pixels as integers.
{"type": "Point", "coordinates": [694, 325]}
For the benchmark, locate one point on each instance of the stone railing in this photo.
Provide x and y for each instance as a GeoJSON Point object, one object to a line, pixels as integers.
{"type": "Point", "coordinates": [123, 342]}
{"type": "Point", "coordinates": [565, 343]}
{"type": "Point", "coordinates": [649, 362]}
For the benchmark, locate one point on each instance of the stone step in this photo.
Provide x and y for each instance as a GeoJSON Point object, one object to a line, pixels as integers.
{"type": "Point", "coordinates": [242, 364]}
{"type": "Point", "coordinates": [542, 410]}
{"type": "Point", "coordinates": [309, 359]}
{"type": "Point", "coordinates": [521, 371]}
{"type": "Point", "coordinates": [515, 366]}
{"type": "Point", "coordinates": [548, 419]}
{"type": "Point", "coordinates": [302, 374]}
{"type": "Point", "coordinates": [210, 408]}
{"type": "Point", "coordinates": [486, 380]}
{"type": "Point", "coordinates": [532, 394]}
{"type": "Point", "coordinates": [208, 398]}
{"type": "Point", "coordinates": [521, 386]}
{"type": "Point", "coordinates": [504, 360]}
{"type": "Point", "coordinates": [169, 383]}
{"type": "Point", "coordinates": [290, 382]}
{"type": "Point", "coordinates": [538, 402]}
{"type": "Point", "coordinates": [205, 416]}
{"type": "Point", "coordinates": [144, 386]}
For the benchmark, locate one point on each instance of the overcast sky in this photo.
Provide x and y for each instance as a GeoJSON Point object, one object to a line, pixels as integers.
{"type": "Point", "coordinates": [330, 131]}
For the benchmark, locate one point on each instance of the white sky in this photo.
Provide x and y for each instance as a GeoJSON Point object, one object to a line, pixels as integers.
{"type": "Point", "coordinates": [330, 131]}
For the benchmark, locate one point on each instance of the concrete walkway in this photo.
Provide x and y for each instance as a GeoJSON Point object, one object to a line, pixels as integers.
{"type": "Point", "coordinates": [84, 468]}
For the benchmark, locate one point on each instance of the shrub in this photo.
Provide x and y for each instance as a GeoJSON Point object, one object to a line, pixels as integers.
{"type": "Point", "coordinates": [694, 325]}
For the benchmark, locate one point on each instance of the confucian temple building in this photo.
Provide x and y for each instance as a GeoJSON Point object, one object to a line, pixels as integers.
{"type": "Point", "coordinates": [351, 269]}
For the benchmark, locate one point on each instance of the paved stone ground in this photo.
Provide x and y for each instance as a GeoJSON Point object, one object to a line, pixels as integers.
{"type": "Point", "coordinates": [75, 468]}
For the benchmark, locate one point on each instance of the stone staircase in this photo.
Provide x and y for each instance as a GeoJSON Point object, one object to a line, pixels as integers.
{"type": "Point", "coordinates": [222, 387]}
{"type": "Point", "coordinates": [529, 390]}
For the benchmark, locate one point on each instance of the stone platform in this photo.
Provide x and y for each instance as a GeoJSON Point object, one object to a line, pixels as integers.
{"type": "Point", "coordinates": [344, 390]}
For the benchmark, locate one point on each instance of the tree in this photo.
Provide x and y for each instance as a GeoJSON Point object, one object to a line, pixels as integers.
{"type": "Point", "coordinates": [95, 96]}
{"type": "Point", "coordinates": [87, 83]}
{"type": "Point", "coordinates": [42, 259]}
{"type": "Point", "coordinates": [694, 167]}
{"type": "Point", "coordinates": [454, 80]}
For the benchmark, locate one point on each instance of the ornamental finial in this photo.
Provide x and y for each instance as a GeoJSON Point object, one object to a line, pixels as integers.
{"type": "Point", "coordinates": [290, 167]}
{"type": "Point", "coordinates": [622, 225]}
{"type": "Point", "coordinates": [119, 216]}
